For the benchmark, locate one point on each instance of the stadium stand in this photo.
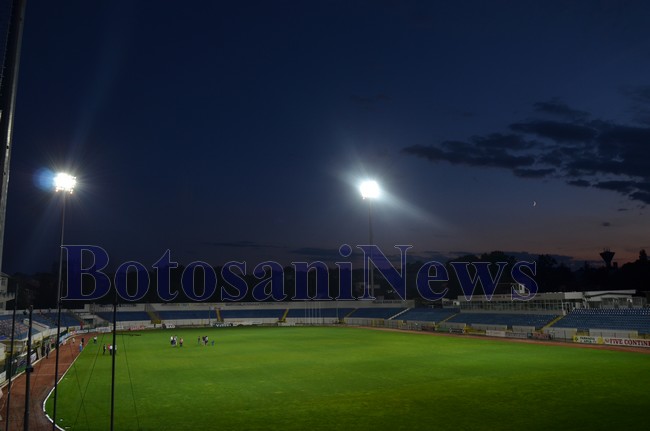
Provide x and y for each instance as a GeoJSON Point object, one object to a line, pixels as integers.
{"type": "Point", "coordinates": [427, 314]}
{"type": "Point", "coordinates": [210, 314]}
{"type": "Point", "coordinates": [50, 319]}
{"type": "Point", "coordinates": [125, 316]}
{"type": "Point", "coordinates": [263, 313]}
{"type": "Point", "coordinates": [322, 312]}
{"type": "Point", "coordinates": [635, 319]}
{"type": "Point", "coordinates": [45, 320]}
{"type": "Point", "coordinates": [507, 319]}
{"type": "Point", "coordinates": [20, 330]}
{"type": "Point", "coordinates": [376, 312]}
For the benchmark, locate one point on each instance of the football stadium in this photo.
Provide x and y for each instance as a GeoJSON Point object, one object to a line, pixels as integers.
{"type": "Point", "coordinates": [566, 361]}
{"type": "Point", "coordinates": [212, 140]}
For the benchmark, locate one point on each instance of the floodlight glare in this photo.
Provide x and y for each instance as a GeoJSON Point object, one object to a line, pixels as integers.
{"type": "Point", "coordinates": [369, 189]}
{"type": "Point", "coordinates": [64, 182]}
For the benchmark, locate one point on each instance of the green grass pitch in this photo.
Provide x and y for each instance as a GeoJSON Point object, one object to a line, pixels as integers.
{"type": "Point", "coordinates": [330, 378]}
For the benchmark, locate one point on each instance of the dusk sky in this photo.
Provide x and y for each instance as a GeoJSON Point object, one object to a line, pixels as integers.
{"type": "Point", "coordinates": [240, 130]}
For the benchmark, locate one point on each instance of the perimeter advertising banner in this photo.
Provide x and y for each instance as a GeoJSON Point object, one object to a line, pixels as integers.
{"type": "Point", "coordinates": [493, 333]}
{"type": "Point", "coordinates": [611, 341]}
{"type": "Point", "coordinates": [629, 342]}
{"type": "Point", "coordinates": [585, 339]}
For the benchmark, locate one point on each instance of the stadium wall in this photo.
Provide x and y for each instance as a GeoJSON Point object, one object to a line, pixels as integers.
{"type": "Point", "coordinates": [560, 333]}
{"type": "Point", "coordinates": [616, 333]}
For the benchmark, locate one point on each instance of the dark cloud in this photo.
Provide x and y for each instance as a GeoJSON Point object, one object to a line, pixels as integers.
{"type": "Point", "coordinates": [560, 109]}
{"type": "Point", "coordinates": [641, 196]}
{"type": "Point", "coordinates": [456, 152]}
{"type": "Point", "coordinates": [556, 131]}
{"type": "Point", "coordinates": [620, 137]}
{"type": "Point", "coordinates": [594, 153]}
{"type": "Point", "coordinates": [605, 224]}
{"type": "Point", "coordinates": [617, 186]}
{"type": "Point", "coordinates": [501, 141]}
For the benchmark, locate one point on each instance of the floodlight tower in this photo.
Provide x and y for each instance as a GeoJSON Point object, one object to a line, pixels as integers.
{"type": "Point", "coordinates": [64, 183]}
{"type": "Point", "coordinates": [370, 190]}
{"type": "Point", "coordinates": [8, 94]}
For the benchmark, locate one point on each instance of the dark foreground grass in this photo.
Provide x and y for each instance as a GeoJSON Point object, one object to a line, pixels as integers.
{"type": "Point", "coordinates": [351, 379]}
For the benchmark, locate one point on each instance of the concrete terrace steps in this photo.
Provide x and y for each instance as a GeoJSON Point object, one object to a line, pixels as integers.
{"type": "Point", "coordinates": [399, 314]}
{"type": "Point", "coordinates": [553, 322]}
{"type": "Point", "coordinates": [153, 314]}
{"type": "Point", "coordinates": [447, 318]}
{"type": "Point", "coordinates": [76, 316]}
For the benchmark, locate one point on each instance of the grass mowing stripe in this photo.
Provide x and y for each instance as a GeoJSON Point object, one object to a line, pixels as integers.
{"type": "Point", "coordinates": [320, 378]}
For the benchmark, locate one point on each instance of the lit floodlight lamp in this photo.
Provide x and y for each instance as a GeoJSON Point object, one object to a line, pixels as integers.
{"type": "Point", "coordinates": [64, 182]}
{"type": "Point", "coordinates": [369, 189]}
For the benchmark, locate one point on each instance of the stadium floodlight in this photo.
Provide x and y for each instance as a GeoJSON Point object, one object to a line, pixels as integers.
{"type": "Point", "coordinates": [65, 183]}
{"type": "Point", "coordinates": [370, 190]}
